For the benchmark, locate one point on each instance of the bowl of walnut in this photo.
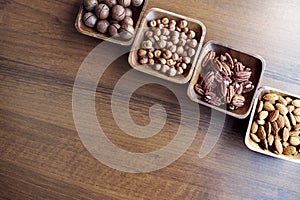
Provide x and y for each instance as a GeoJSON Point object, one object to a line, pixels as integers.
{"type": "Point", "coordinates": [274, 126]}
{"type": "Point", "coordinates": [226, 79]}
{"type": "Point", "coordinates": [167, 45]}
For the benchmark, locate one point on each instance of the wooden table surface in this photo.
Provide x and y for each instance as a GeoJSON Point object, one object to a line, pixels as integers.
{"type": "Point", "coordinates": [41, 153]}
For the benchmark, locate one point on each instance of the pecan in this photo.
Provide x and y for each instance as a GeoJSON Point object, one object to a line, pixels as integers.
{"type": "Point", "coordinates": [199, 90]}
{"type": "Point", "coordinates": [208, 80]}
{"type": "Point", "coordinates": [238, 100]}
{"type": "Point", "coordinates": [230, 94]}
{"type": "Point", "coordinates": [209, 56]}
{"type": "Point", "coordinates": [230, 60]}
{"type": "Point", "coordinates": [239, 67]}
{"type": "Point", "coordinates": [226, 69]}
{"type": "Point", "coordinates": [242, 76]}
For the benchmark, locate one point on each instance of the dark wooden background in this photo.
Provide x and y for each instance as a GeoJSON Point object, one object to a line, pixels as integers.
{"type": "Point", "coordinates": [41, 155]}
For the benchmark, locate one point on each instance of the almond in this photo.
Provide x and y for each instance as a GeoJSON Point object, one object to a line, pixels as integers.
{"type": "Point", "coordinates": [296, 103]}
{"type": "Point", "coordinates": [273, 116]}
{"type": "Point", "coordinates": [278, 146]}
{"type": "Point", "coordinates": [261, 133]}
{"type": "Point", "coordinates": [268, 106]}
{"type": "Point", "coordinates": [270, 97]}
{"type": "Point", "coordinates": [282, 100]}
{"type": "Point", "coordinates": [288, 100]}
{"type": "Point", "coordinates": [271, 139]}
{"type": "Point", "coordinates": [287, 122]}
{"type": "Point", "coordinates": [254, 127]}
{"type": "Point", "coordinates": [260, 106]}
{"type": "Point", "coordinates": [280, 121]}
{"type": "Point", "coordinates": [295, 141]}
{"type": "Point", "coordinates": [297, 111]}
{"type": "Point", "coordinates": [285, 134]}
{"type": "Point", "coordinates": [297, 118]}
{"type": "Point", "coordinates": [263, 115]}
{"type": "Point", "coordinates": [294, 133]}
{"type": "Point", "coordinates": [290, 150]}
{"type": "Point", "coordinates": [282, 109]}
{"type": "Point", "coordinates": [275, 128]}
{"type": "Point", "coordinates": [254, 138]}
{"type": "Point", "coordinates": [292, 119]}
{"type": "Point", "coordinates": [268, 128]}
{"type": "Point", "coordinates": [290, 108]}
{"type": "Point", "coordinates": [260, 122]}
{"type": "Point", "coordinates": [285, 144]}
{"type": "Point", "coordinates": [264, 144]}
{"type": "Point", "coordinates": [297, 127]}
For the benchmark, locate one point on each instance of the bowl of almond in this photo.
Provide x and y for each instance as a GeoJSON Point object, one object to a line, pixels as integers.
{"type": "Point", "coordinates": [274, 126]}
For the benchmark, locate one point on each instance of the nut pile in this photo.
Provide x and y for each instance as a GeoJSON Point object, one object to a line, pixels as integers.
{"type": "Point", "coordinates": [111, 17]}
{"type": "Point", "coordinates": [169, 46]}
{"type": "Point", "coordinates": [223, 80]}
{"type": "Point", "coordinates": [276, 126]}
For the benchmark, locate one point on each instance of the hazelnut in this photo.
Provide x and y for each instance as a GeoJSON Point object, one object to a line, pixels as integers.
{"type": "Point", "coordinates": [184, 66]}
{"type": "Point", "coordinates": [147, 44]}
{"type": "Point", "coordinates": [124, 3]}
{"type": "Point", "coordinates": [151, 61]}
{"type": "Point", "coordinates": [126, 31]}
{"type": "Point", "coordinates": [149, 34]}
{"type": "Point", "coordinates": [163, 37]}
{"type": "Point", "coordinates": [102, 26]}
{"type": "Point", "coordinates": [158, 21]}
{"type": "Point", "coordinates": [128, 12]}
{"type": "Point", "coordinates": [169, 44]}
{"type": "Point", "coordinates": [143, 60]}
{"type": "Point", "coordinates": [150, 55]}
{"type": "Point", "coordinates": [175, 40]}
{"type": "Point", "coordinates": [89, 19]}
{"type": "Point", "coordinates": [165, 69]}
{"type": "Point", "coordinates": [157, 67]}
{"type": "Point", "coordinates": [180, 50]}
{"type": "Point", "coordinates": [172, 27]}
{"type": "Point", "coordinates": [179, 71]}
{"type": "Point", "coordinates": [175, 56]}
{"type": "Point", "coordinates": [127, 20]}
{"type": "Point", "coordinates": [193, 43]}
{"type": "Point", "coordinates": [165, 31]}
{"type": "Point", "coordinates": [114, 30]}
{"type": "Point", "coordinates": [137, 3]}
{"type": "Point", "coordinates": [186, 60]}
{"type": "Point", "coordinates": [185, 29]}
{"type": "Point", "coordinates": [102, 11]}
{"type": "Point", "coordinates": [178, 29]}
{"type": "Point", "coordinates": [163, 61]}
{"type": "Point", "coordinates": [90, 5]}
{"type": "Point", "coordinates": [184, 54]}
{"type": "Point", "coordinates": [157, 53]}
{"type": "Point", "coordinates": [183, 35]}
{"type": "Point", "coordinates": [167, 54]}
{"type": "Point", "coordinates": [157, 32]}
{"type": "Point", "coordinates": [142, 52]}
{"type": "Point", "coordinates": [175, 34]}
{"type": "Point", "coordinates": [191, 34]}
{"type": "Point", "coordinates": [191, 52]}
{"type": "Point", "coordinates": [173, 48]}
{"type": "Point", "coordinates": [171, 62]}
{"type": "Point", "coordinates": [165, 21]}
{"type": "Point", "coordinates": [118, 13]}
{"type": "Point", "coordinates": [172, 72]}
{"type": "Point", "coordinates": [172, 22]}
{"type": "Point", "coordinates": [110, 3]}
{"type": "Point", "coordinates": [182, 24]}
{"type": "Point", "coordinates": [156, 38]}
{"type": "Point", "coordinates": [161, 26]}
{"type": "Point", "coordinates": [182, 42]}
{"type": "Point", "coordinates": [162, 44]}
{"type": "Point", "coordinates": [152, 23]}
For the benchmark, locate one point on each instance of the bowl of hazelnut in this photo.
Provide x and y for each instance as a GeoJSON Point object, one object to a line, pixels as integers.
{"type": "Point", "coordinates": [111, 20]}
{"type": "Point", "coordinates": [167, 45]}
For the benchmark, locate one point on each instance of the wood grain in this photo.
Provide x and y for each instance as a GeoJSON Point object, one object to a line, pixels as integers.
{"type": "Point", "coordinates": [41, 154]}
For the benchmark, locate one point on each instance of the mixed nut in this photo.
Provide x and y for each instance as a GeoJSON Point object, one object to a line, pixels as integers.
{"type": "Point", "coordinates": [111, 17]}
{"type": "Point", "coordinates": [276, 126]}
{"type": "Point", "coordinates": [223, 80]}
{"type": "Point", "coordinates": [169, 46]}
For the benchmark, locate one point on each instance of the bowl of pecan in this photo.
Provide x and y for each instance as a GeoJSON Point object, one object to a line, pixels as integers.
{"type": "Point", "coordinates": [274, 126]}
{"type": "Point", "coordinates": [167, 45]}
{"type": "Point", "coordinates": [226, 79]}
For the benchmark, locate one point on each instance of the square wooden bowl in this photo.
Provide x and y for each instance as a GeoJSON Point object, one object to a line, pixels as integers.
{"type": "Point", "coordinates": [137, 14]}
{"type": "Point", "coordinates": [156, 13]}
{"type": "Point", "coordinates": [253, 145]}
{"type": "Point", "coordinates": [255, 62]}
